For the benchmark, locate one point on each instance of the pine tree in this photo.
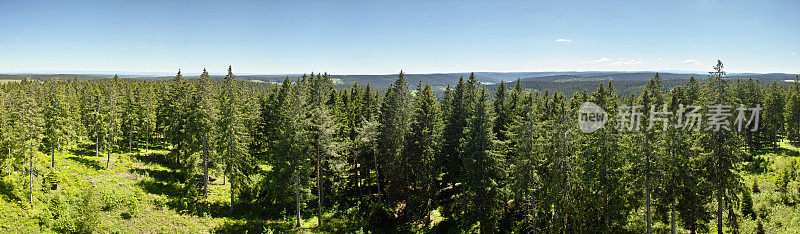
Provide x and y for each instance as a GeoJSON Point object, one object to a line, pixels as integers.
{"type": "Point", "coordinates": [28, 127]}
{"type": "Point", "coordinates": [504, 114]}
{"type": "Point", "coordinates": [721, 146]}
{"type": "Point", "coordinates": [394, 122]}
{"type": "Point", "coordinates": [793, 113]}
{"type": "Point", "coordinates": [481, 198]}
{"type": "Point", "coordinates": [747, 204]}
{"type": "Point", "coordinates": [58, 125]}
{"type": "Point", "coordinates": [421, 149]}
{"type": "Point", "coordinates": [773, 114]}
{"type": "Point", "coordinates": [205, 126]}
{"type": "Point", "coordinates": [322, 126]}
{"type": "Point", "coordinates": [112, 119]}
{"type": "Point", "coordinates": [148, 112]}
{"type": "Point", "coordinates": [231, 146]}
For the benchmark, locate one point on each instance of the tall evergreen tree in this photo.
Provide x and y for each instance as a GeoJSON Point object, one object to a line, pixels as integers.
{"type": "Point", "coordinates": [231, 145]}
{"type": "Point", "coordinates": [58, 124]}
{"type": "Point", "coordinates": [773, 114]}
{"type": "Point", "coordinates": [394, 122]}
{"type": "Point", "coordinates": [793, 113]}
{"type": "Point", "coordinates": [421, 149]}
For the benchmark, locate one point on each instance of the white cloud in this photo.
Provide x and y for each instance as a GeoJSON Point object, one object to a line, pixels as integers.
{"type": "Point", "coordinates": [608, 61]}
{"type": "Point", "coordinates": [659, 59]}
{"type": "Point", "coordinates": [794, 52]}
{"type": "Point", "coordinates": [595, 61]}
{"type": "Point", "coordinates": [627, 62]}
{"type": "Point", "coordinates": [691, 61]}
{"type": "Point", "coordinates": [564, 40]}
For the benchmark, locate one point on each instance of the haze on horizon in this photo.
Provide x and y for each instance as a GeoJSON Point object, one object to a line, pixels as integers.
{"type": "Point", "coordinates": [383, 37]}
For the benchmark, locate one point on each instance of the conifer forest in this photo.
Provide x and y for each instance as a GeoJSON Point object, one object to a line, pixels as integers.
{"type": "Point", "coordinates": [188, 155]}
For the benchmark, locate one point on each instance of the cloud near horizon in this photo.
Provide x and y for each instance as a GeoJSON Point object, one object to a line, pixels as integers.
{"type": "Point", "coordinates": [692, 62]}
{"type": "Point", "coordinates": [608, 61]}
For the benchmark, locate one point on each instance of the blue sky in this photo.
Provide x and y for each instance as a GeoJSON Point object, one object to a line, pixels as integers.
{"type": "Point", "coordinates": [383, 37]}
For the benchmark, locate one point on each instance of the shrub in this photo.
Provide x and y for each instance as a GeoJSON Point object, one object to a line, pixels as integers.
{"type": "Point", "coordinates": [88, 217]}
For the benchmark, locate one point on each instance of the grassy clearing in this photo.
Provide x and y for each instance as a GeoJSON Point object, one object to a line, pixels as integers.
{"type": "Point", "coordinates": [778, 214]}
{"type": "Point", "coordinates": [140, 192]}
{"type": "Point", "coordinates": [3, 81]}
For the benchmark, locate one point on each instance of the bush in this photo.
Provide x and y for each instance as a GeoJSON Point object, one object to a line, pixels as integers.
{"type": "Point", "coordinates": [747, 204]}
{"type": "Point", "coordinates": [88, 215]}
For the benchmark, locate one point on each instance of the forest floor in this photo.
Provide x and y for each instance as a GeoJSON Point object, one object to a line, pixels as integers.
{"type": "Point", "coordinates": [142, 192]}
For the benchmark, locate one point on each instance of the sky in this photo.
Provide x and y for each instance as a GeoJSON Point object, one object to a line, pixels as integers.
{"type": "Point", "coordinates": [384, 37]}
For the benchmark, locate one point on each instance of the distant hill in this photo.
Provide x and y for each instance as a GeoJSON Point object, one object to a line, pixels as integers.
{"type": "Point", "coordinates": [566, 82]}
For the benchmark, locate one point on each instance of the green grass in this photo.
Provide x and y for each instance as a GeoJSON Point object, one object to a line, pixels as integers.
{"type": "Point", "coordinates": [779, 216]}
{"type": "Point", "coordinates": [138, 193]}
{"type": "Point", "coordinates": [3, 81]}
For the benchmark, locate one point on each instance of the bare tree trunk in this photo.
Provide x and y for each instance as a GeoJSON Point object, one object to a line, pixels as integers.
{"type": "Point", "coordinates": [297, 194]}
{"type": "Point", "coordinates": [97, 132]}
{"type": "Point", "coordinates": [647, 185]}
{"type": "Point", "coordinates": [205, 164]}
{"type": "Point", "coordinates": [672, 217]}
{"type": "Point", "coordinates": [30, 186]}
{"type": "Point", "coordinates": [377, 176]}
{"type": "Point", "coordinates": [319, 182]}
{"type": "Point", "coordinates": [233, 188]}
{"type": "Point", "coordinates": [719, 210]}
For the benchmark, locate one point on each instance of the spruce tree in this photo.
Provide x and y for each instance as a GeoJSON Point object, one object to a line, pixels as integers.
{"type": "Point", "coordinates": [394, 119]}
{"type": "Point", "coordinates": [58, 124]}
{"type": "Point", "coordinates": [481, 198]}
{"type": "Point", "coordinates": [422, 147]}
{"type": "Point", "coordinates": [793, 113]}
{"type": "Point", "coordinates": [773, 115]}
{"type": "Point", "coordinates": [231, 146]}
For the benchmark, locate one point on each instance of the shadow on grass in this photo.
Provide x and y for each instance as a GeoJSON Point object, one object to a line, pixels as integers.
{"type": "Point", "coordinates": [160, 175]}
{"type": "Point", "coordinates": [787, 152]}
{"type": "Point", "coordinates": [155, 145]}
{"type": "Point", "coordinates": [5, 190]}
{"type": "Point", "coordinates": [160, 159]}
{"type": "Point", "coordinates": [88, 162]}
{"type": "Point", "coordinates": [254, 226]}
{"type": "Point", "coordinates": [171, 190]}
{"type": "Point", "coordinates": [84, 150]}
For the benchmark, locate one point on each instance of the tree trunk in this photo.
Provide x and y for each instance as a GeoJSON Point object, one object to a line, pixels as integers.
{"type": "Point", "coordinates": [30, 186]}
{"type": "Point", "coordinates": [719, 210]}
{"type": "Point", "coordinates": [297, 195]}
{"type": "Point", "coordinates": [672, 217]}
{"type": "Point", "coordinates": [232, 195]}
{"type": "Point", "coordinates": [205, 164]}
{"type": "Point", "coordinates": [319, 183]}
{"type": "Point", "coordinates": [377, 176]}
{"type": "Point", "coordinates": [647, 185]}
